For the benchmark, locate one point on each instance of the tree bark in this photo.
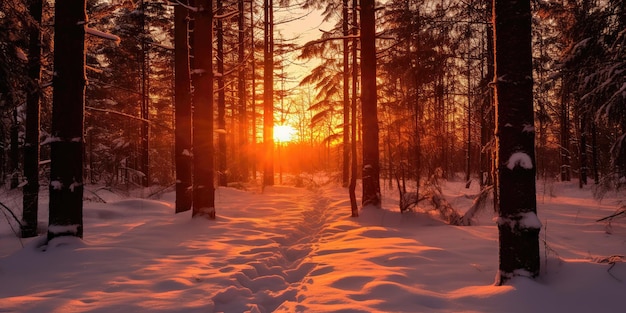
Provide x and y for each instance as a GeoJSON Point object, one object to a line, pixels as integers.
{"type": "Point", "coordinates": [487, 111]}
{"type": "Point", "coordinates": [221, 101]}
{"type": "Point", "coordinates": [583, 151]}
{"type": "Point", "coordinates": [564, 149]}
{"type": "Point", "coordinates": [182, 119]}
{"type": "Point", "coordinates": [31, 139]}
{"type": "Point", "coordinates": [268, 94]}
{"type": "Point", "coordinates": [518, 223]}
{"type": "Point", "coordinates": [253, 117]}
{"type": "Point", "coordinates": [203, 152]}
{"type": "Point", "coordinates": [241, 94]}
{"type": "Point", "coordinates": [353, 115]}
{"type": "Point", "coordinates": [371, 166]}
{"type": "Point", "coordinates": [145, 99]}
{"type": "Point", "coordinates": [14, 151]}
{"type": "Point", "coordinates": [346, 98]}
{"type": "Point", "coordinates": [68, 97]}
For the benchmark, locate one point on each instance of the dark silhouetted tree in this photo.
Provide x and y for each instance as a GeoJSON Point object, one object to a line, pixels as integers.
{"type": "Point", "coordinates": [182, 144]}
{"type": "Point", "coordinates": [371, 167]}
{"type": "Point", "coordinates": [66, 143]}
{"type": "Point", "coordinates": [31, 139]}
{"type": "Point", "coordinates": [518, 224]}
{"type": "Point", "coordinates": [203, 151]}
{"type": "Point", "coordinates": [268, 93]}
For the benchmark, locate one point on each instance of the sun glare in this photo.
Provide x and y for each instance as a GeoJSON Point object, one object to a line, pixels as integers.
{"type": "Point", "coordinates": [283, 133]}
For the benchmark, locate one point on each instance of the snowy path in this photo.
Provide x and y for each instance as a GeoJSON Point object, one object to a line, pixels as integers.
{"type": "Point", "coordinates": [137, 256]}
{"type": "Point", "coordinates": [276, 267]}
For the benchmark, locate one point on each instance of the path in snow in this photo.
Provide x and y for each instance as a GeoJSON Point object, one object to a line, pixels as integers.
{"type": "Point", "coordinates": [277, 265]}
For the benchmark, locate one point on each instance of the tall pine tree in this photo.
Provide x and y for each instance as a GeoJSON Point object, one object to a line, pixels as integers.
{"type": "Point", "coordinates": [371, 167]}
{"type": "Point", "coordinates": [68, 100]}
{"type": "Point", "coordinates": [518, 224]}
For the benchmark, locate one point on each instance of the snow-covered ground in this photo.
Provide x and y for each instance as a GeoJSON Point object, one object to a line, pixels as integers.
{"type": "Point", "coordinates": [291, 249]}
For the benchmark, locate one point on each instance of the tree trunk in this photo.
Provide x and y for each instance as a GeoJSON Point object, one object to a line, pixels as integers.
{"type": "Point", "coordinates": [31, 139]}
{"type": "Point", "coordinates": [353, 116]}
{"type": "Point", "coordinates": [346, 98]}
{"type": "Point", "coordinates": [268, 94]}
{"type": "Point", "coordinates": [564, 149]}
{"type": "Point", "coordinates": [145, 99]}
{"type": "Point", "coordinates": [15, 151]}
{"type": "Point", "coordinates": [487, 111]}
{"type": "Point", "coordinates": [253, 143]}
{"type": "Point", "coordinates": [203, 152]}
{"type": "Point", "coordinates": [68, 98]}
{"type": "Point", "coordinates": [583, 151]}
{"type": "Point", "coordinates": [371, 166]}
{"type": "Point", "coordinates": [221, 102]}
{"type": "Point", "coordinates": [241, 95]}
{"type": "Point", "coordinates": [468, 148]}
{"type": "Point", "coordinates": [182, 144]}
{"type": "Point", "coordinates": [518, 223]}
{"type": "Point", "coordinates": [594, 153]}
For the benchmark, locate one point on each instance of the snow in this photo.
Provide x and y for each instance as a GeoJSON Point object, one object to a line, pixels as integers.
{"type": "Point", "coordinates": [198, 71]}
{"type": "Point", "coordinates": [289, 249]}
{"type": "Point", "coordinates": [74, 185]}
{"type": "Point", "coordinates": [20, 54]}
{"type": "Point", "coordinates": [61, 229]}
{"type": "Point", "coordinates": [56, 185]}
{"type": "Point", "coordinates": [49, 140]}
{"type": "Point", "coordinates": [519, 159]}
{"type": "Point", "coordinates": [101, 34]}
{"type": "Point", "coordinates": [525, 220]}
{"type": "Point", "coordinates": [528, 128]}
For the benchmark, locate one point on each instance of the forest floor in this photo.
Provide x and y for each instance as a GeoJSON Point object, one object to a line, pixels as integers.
{"type": "Point", "coordinates": [289, 249]}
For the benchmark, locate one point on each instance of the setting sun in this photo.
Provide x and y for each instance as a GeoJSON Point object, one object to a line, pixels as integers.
{"type": "Point", "coordinates": [283, 133]}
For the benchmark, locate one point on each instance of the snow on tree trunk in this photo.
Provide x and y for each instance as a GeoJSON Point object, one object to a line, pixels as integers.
{"type": "Point", "coordinates": [371, 166]}
{"type": "Point", "coordinates": [68, 101]}
{"type": "Point", "coordinates": [518, 224]}
{"type": "Point", "coordinates": [203, 152]}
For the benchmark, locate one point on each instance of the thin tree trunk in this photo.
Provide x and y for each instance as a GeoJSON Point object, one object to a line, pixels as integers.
{"type": "Point", "coordinates": [145, 99]}
{"type": "Point", "coordinates": [268, 94]}
{"type": "Point", "coordinates": [564, 149]}
{"type": "Point", "coordinates": [583, 151]}
{"type": "Point", "coordinates": [182, 144]}
{"type": "Point", "coordinates": [68, 98]}
{"type": "Point", "coordinates": [221, 101]}
{"type": "Point", "coordinates": [241, 95]}
{"type": "Point", "coordinates": [253, 117]}
{"type": "Point", "coordinates": [31, 139]}
{"type": "Point", "coordinates": [15, 151]}
{"type": "Point", "coordinates": [353, 115]}
{"type": "Point", "coordinates": [346, 98]}
{"type": "Point", "coordinates": [487, 115]}
{"type": "Point", "coordinates": [518, 223]}
{"type": "Point", "coordinates": [594, 153]}
{"type": "Point", "coordinates": [468, 148]}
{"type": "Point", "coordinates": [203, 152]}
